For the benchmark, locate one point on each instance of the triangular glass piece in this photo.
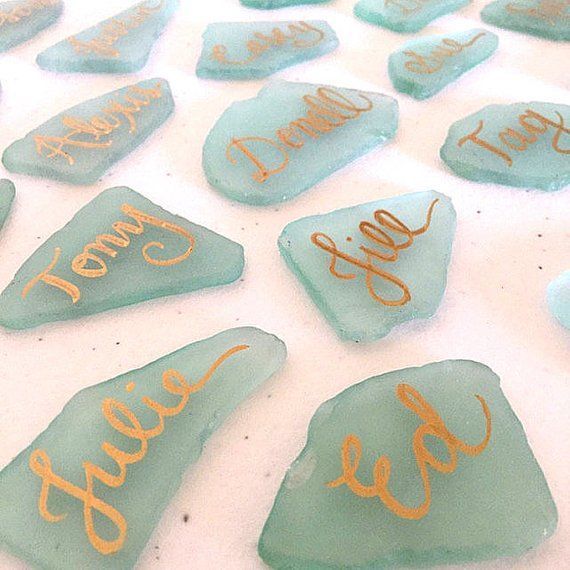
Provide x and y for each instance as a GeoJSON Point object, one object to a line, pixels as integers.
{"type": "Point", "coordinates": [559, 299]}
{"type": "Point", "coordinates": [118, 250]}
{"type": "Point", "coordinates": [121, 44]}
{"type": "Point", "coordinates": [7, 193]}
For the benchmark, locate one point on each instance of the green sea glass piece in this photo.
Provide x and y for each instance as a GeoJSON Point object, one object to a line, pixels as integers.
{"type": "Point", "coordinates": [405, 15]}
{"type": "Point", "coordinates": [559, 299]}
{"type": "Point", "coordinates": [273, 4]}
{"type": "Point", "coordinates": [118, 250]}
{"type": "Point", "coordinates": [7, 193]}
{"type": "Point", "coordinates": [424, 66]}
{"type": "Point", "coordinates": [291, 136]}
{"type": "Point", "coordinates": [89, 490]}
{"type": "Point", "coordinates": [370, 267]}
{"type": "Point", "coordinates": [522, 144]}
{"type": "Point", "coordinates": [251, 50]}
{"type": "Point", "coordinates": [21, 20]}
{"type": "Point", "coordinates": [548, 19]}
{"type": "Point", "coordinates": [121, 44]}
{"type": "Point", "coordinates": [456, 481]}
{"type": "Point", "coordinates": [82, 143]}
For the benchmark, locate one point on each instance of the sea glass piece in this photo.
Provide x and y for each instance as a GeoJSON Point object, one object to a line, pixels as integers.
{"type": "Point", "coordinates": [121, 44]}
{"type": "Point", "coordinates": [548, 19]}
{"type": "Point", "coordinates": [273, 4]}
{"type": "Point", "coordinates": [79, 145]}
{"type": "Point", "coordinates": [370, 267]}
{"type": "Point", "coordinates": [291, 136]}
{"type": "Point", "coordinates": [424, 66]}
{"type": "Point", "coordinates": [118, 250]}
{"type": "Point", "coordinates": [405, 15]}
{"type": "Point", "coordinates": [251, 50]}
{"type": "Point", "coordinates": [522, 144]}
{"type": "Point", "coordinates": [21, 20]}
{"type": "Point", "coordinates": [559, 299]}
{"type": "Point", "coordinates": [418, 467]}
{"type": "Point", "coordinates": [89, 490]}
{"type": "Point", "coordinates": [7, 193]}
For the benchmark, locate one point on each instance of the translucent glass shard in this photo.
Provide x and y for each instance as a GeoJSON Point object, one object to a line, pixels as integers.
{"type": "Point", "coordinates": [272, 4]}
{"type": "Point", "coordinates": [7, 193]}
{"type": "Point", "coordinates": [559, 299]}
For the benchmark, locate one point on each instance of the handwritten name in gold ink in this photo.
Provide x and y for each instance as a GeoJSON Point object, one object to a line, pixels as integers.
{"type": "Point", "coordinates": [92, 266]}
{"type": "Point", "coordinates": [433, 426]}
{"type": "Point", "coordinates": [407, 7]}
{"type": "Point", "coordinates": [533, 124]}
{"type": "Point", "coordinates": [300, 35]}
{"type": "Point", "coordinates": [326, 111]}
{"type": "Point", "coordinates": [386, 250]}
{"type": "Point", "coordinates": [112, 31]}
{"type": "Point", "coordinates": [125, 422]}
{"type": "Point", "coordinates": [552, 11]}
{"type": "Point", "coordinates": [436, 59]}
{"type": "Point", "coordinates": [95, 132]}
{"type": "Point", "coordinates": [25, 10]}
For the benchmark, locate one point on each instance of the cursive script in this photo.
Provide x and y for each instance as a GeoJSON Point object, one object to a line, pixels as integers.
{"type": "Point", "coordinates": [124, 421]}
{"type": "Point", "coordinates": [300, 35]}
{"type": "Point", "coordinates": [24, 10]}
{"type": "Point", "coordinates": [91, 265]}
{"type": "Point", "coordinates": [113, 30]}
{"type": "Point", "coordinates": [326, 111]}
{"type": "Point", "coordinates": [386, 250]}
{"type": "Point", "coordinates": [552, 11]}
{"type": "Point", "coordinates": [89, 133]}
{"type": "Point", "coordinates": [407, 6]}
{"type": "Point", "coordinates": [436, 59]}
{"type": "Point", "coordinates": [533, 124]}
{"type": "Point", "coordinates": [433, 426]}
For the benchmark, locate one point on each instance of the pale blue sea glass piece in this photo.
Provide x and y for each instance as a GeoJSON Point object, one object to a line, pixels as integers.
{"type": "Point", "coordinates": [121, 44]}
{"type": "Point", "coordinates": [273, 4]}
{"type": "Point", "coordinates": [89, 490]}
{"type": "Point", "coordinates": [21, 20]}
{"type": "Point", "coordinates": [251, 50]}
{"type": "Point", "coordinates": [559, 299]}
{"type": "Point", "coordinates": [418, 467]}
{"type": "Point", "coordinates": [79, 145]}
{"type": "Point", "coordinates": [522, 144]}
{"type": "Point", "coordinates": [7, 193]}
{"type": "Point", "coordinates": [424, 66]}
{"type": "Point", "coordinates": [118, 250]}
{"type": "Point", "coordinates": [292, 135]}
{"type": "Point", "coordinates": [370, 267]}
{"type": "Point", "coordinates": [548, 19]}
{"type": "Point", "coordinates": [405, 16]}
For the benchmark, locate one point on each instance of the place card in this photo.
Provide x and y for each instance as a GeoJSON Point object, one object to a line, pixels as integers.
{"type": "Point", "coordinates": [548, 19]}
{"type": "Point", "coordinates": [21, 20]}
{"type": "Point", "coordinates": [7, 193]}
{"type": "Point", "coordinates": [424, 66]}
{"type": "Point", "coordinates": [370, 267]}
{"type": "Point", "coordinates": [89, 490]}
{"type": "Point", "coordinates": [118, 250]}
{"type": "Point", "coordinates": [273, 4]}
{"type": "Point", "coordinates": [80, 144]}
{"type": "Point", "coordinates": [121, 44]}
{"type": "Point", "coordinates": [251, 50]}
{"type": "Point", "coordinates": [405, 16]}
{"type": "Point", "coordinates": [418, 467]}
{"type": "Point", "coordinates": [522, 144]}
{"type": "Point", "coordinates": [292, 135]}
{"type": "Point", "coordinates": [559, 299]}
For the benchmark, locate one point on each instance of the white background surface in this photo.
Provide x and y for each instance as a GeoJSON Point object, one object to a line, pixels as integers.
{"type": "Point", "coordinates": [494, 309]}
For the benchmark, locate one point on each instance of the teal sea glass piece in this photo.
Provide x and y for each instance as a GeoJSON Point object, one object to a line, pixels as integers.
{"type": "Point", "coordinates": [417, 467]}
{"type": "Point", "coordinates": [522, 144]}
{"type": "Point", "coordinates": [82, 143]}
{"type": "Point", "coordinates": [370, 267]}
{"type": "Point", "coordinates": [292, 135]}
{"type": "Point", "coordinates": [559, 299]}
{"type": "Point", "coordinates": [405, 16]}
{"type": "Point", "coordinates": [7, 193]}
{"type": "Point", "coordinates": [423, 67]}
{"type": "Point", "coordinates": [118, 250]}
{"type": "Point", "coordinates": [121, 44]}
{"type": "Point", "coordinates": [21, 20]}
{"type": "Point", "coordinates": [548, 19]}
{"type": "Point", "coordinates": [90, 489]}
{"type": "Point", "coordinates": [273, 4]}
{"type": "Point", "coordinates": [251, 50]}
